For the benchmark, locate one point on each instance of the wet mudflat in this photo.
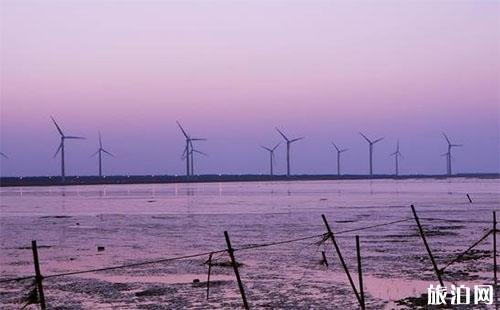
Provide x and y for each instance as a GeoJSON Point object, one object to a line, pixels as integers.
{"type": "Point", "coordinates": [135, 223]}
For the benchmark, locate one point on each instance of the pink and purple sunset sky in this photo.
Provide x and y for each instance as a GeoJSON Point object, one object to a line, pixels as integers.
{"type": "Point", "coordinates": [231, 71]}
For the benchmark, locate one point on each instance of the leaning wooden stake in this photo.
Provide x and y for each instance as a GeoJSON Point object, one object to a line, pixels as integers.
{"type": "Point", "coordinates": [230, 250]}
{"type": "Point", "coordinates": [436, 269]}
{"type": "Point", "coordinates": [495, 258]}
{"type": "Point", "coordinates": [38, 276]}
{"type": "Point", "coordinates": [209, 270]}
{"type": "Point", "coordinates": [337, 249]}
{"type": "Point", "coordinates": [360, 274]}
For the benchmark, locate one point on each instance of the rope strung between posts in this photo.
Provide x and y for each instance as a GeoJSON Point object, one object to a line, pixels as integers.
{"type": "Point", "coordinates": [466, 251]}
{"type": "Point", "coordinates": [248, 247]}
{"type": "Point", "coordinates": [454, 221]}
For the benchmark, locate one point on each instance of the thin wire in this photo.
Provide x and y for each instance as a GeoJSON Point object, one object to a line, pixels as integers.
{"type": "Point", "coordinates": [200, 254]}
{"type": "Point", "coordinates": [277, 243]}
{"type": "Point", "coordinates": [453, 221]}
{"type": "Point", "coordinates": [465, 252]}
{"type": "Point", "coordinates": [372, 226]}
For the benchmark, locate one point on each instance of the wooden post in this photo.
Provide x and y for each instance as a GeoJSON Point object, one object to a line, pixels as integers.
{"type": "Point", "coordinates": [360, 275]}
{"type": "Point", "coordinates": [325, 261]}
{"type": "Point", "coordinates": [436, 269]}
{"type": "Point", "coordinates": [209, 270]}
{"type": "Point", "coordinates": [495, 267]}
{"type": "Point", "coordinates": [236, 272]}
{"type": "Point", "coordinates": [337, 249]}
{"type": "Point", "coordinates": [38, 276]}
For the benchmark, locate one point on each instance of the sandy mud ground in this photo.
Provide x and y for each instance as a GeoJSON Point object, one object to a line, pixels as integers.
{"type": "Point", "coordinates": [135, 223]}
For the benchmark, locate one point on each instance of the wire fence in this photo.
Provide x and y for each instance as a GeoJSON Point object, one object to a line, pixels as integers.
{"type": "Point", "coordinates": [35, 292]}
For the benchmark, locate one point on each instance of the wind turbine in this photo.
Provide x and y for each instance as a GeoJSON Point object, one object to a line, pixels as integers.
{"type": "Point", "coordinates": [99, 152]}
{"type": "Point", "coordinates": [61, 147]}
{"type": "Point", "coordinates": [371, 143]}
{"type": "Point", "coordinates": [188, 154]}
{"type": "Point", "coordinates": [3, 155]}
{"type": "Point", "coordinates": [448, 154]}
{"type": "Point", "coordinates": [271, 157]}
{"type": "Point", "coordinates": [288, 143]}
{"type": "Point", "coordinates": [396, 155]}
{"type": "Point", "coordinates": [339, 151]}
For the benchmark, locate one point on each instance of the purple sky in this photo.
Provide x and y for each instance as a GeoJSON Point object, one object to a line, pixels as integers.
{"type": "Point", "coordinates": [231, 71]}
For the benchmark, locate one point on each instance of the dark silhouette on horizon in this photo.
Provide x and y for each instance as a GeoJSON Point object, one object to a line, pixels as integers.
{"type": "Point", "coordinates": [288, 143]}
{"type": "Point", "coordinates": [271, 157]}
{"type": "Point", "coordinates": [61, 147]}
{"type": "Point", "coordinates": [370, 146]}
{"type": "Point", "coordinates": [99, 152]}
{"type": "Point", "coordinates": [3, 155]}
{"type": "Point", "coordinates": [339, 151]}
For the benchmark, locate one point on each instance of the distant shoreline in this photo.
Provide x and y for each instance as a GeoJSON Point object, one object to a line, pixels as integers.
{"type": "Point", "coordinates": [211, 178]}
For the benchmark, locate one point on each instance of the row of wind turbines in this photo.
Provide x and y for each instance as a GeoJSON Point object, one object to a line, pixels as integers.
{"type": "Point", "coordinates": [190, 150]}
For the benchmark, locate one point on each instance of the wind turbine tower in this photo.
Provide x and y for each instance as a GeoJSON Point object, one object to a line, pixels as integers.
{"type": "Point", "coordinates": [188, 150]}
{"type": "Point", "coordinates": [396, 155]}
{"type": "Point", "coordinates": [99, 152]}
{"type": "Point", "coordinates": [448, 154]}
{"type": "Point", "coordinates": [271, 157]}
{"type": "Point", "coordinates": [339, 151]}
{"type": "Point", "coordinates": [288, 143]}
{"type": "Point", "coordinates": [61, 147]}
{"type": "Point", "coordinates": [370, 145]}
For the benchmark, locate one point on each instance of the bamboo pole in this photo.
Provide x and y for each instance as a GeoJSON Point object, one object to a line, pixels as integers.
{"type": "Point", "coordinates": [230, 250]}
{"type": "Point", "coordinates": [337, 249]}
{"type": "Point", "coordinates": [209, 270]}
{"type": "Point", "coordinates": [38, 275]}
{"type": "Point", "coordinates": [360, 275]}
{"type": "Point", "coordinates": [436, 269]}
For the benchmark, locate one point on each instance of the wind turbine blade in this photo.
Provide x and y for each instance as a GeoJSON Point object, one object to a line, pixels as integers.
{"type": "Point", "coordinates": [182, 129]}
{"type": "Point", "coordinates": [3, 155]}
{"type": "Point", "coordinates": [282, 134]}
{"type": "Point", "coordinates": [200, 152]}
{"type": "Point", "coordinates": [445, 154]}
{"type": "Point", "coordinates": [100, 140]}
{"type": "Point", "coordinates": [57, 126]}
{"type": "Point", "coordinates": [344, 150]}
{"type": "Point", "coordinates": [108, 153]}
{"type": "Point", "coordinates": [94, 154]}
{"type": "Point", "coordinates": [336, 147]}
{"type": "Point", "coordinates": [198, 139]}
{"type": "Point", "coordinates": [266, 148]}
{"type": "Point", "coordinates": [296, 139]}
{"type": "Point", "coordinates": [58, 149]}
{"type": "Point", "coordinates": [378, 140]}
{"type": "Point", "coordinates": [446, 137]}
{"type": "Point", "coordinates": [394, 153]}
{"type": "Point", "coordinates": [184, 152]}
{"type": "Point", "coordinates": [276, 146]}
{"type": "Point", "coordinates": [75, 137]}
{"type": "Point", "coordinates": [367, 140]}
{"type": "Point", "coordinates": [453, 145]}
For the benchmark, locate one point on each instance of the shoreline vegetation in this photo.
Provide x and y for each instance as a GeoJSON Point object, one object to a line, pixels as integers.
{"type": "Point", "coordinates": [210, 178]}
